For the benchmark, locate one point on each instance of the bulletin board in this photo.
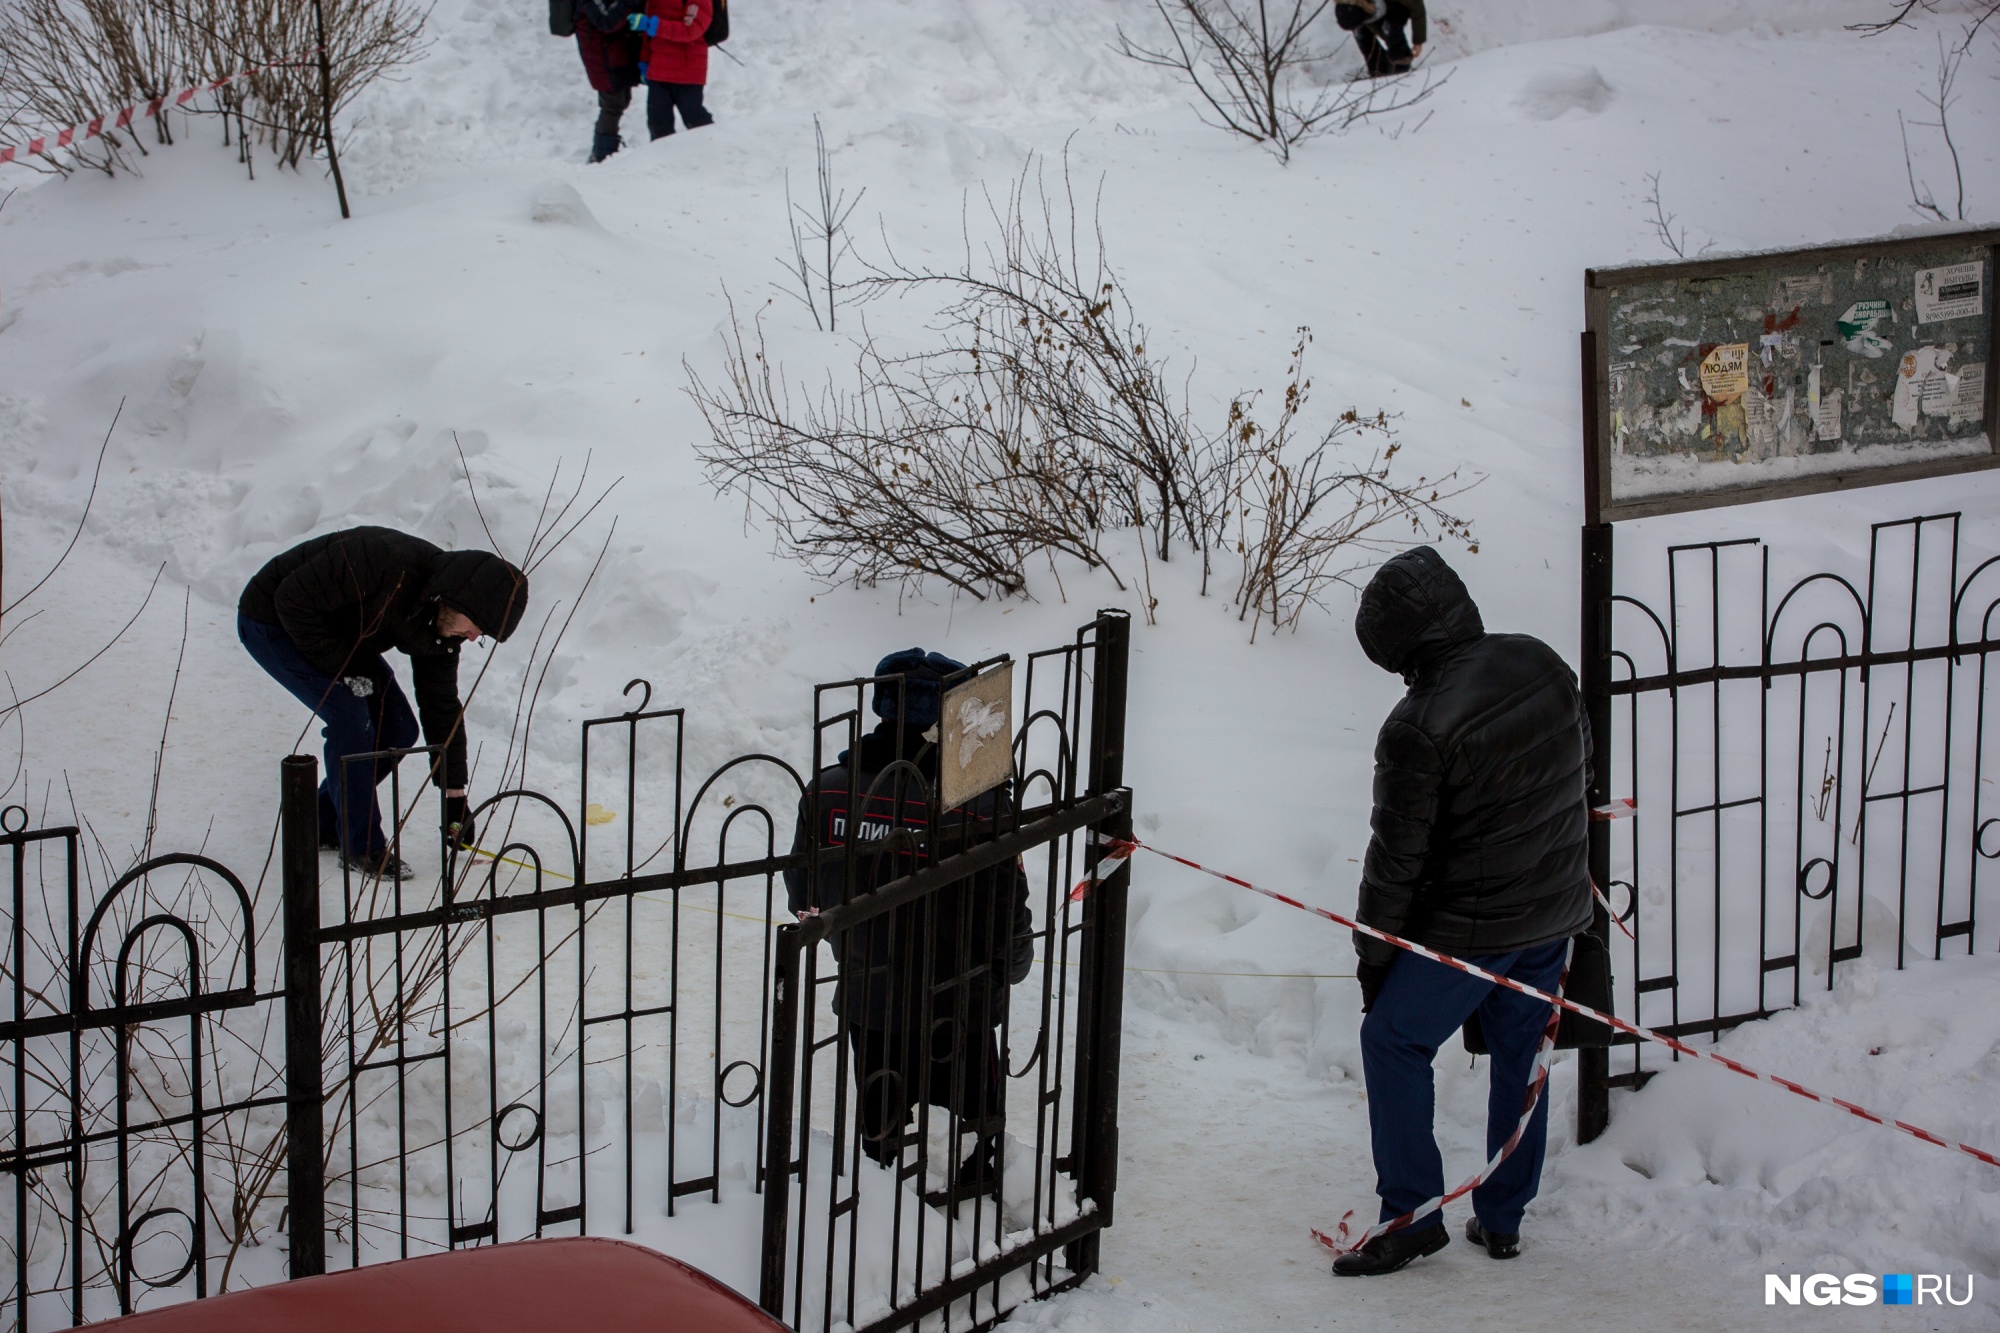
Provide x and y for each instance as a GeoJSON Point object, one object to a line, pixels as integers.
{"type": "Point", "coordinates": [1748, 377]}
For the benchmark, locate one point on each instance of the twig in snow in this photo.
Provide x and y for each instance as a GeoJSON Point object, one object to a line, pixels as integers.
{"type": "Point", "coordinates": [166, 723]}
{"type": "Point", "coordinates": [491, 540]}
{"type": "Point", "coordinates": [95, 475]}
{"type": "Point", "coordinates": [19, 704]}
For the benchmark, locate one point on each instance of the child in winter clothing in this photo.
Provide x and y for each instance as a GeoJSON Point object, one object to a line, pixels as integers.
{"type": "Point", "coordinates": [676, 63]}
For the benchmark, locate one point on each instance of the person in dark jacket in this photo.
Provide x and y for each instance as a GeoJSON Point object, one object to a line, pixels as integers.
{"type": "Point", "coordinates": [612, 52]}
{"type": "Point", "coordinates": [1480, 851]}
{"type": "Point", "coordinates": [922, 988]}
{"type": "Point", "coordinates": [319, 617]}
{"type": "Point", "coordinates": [1378, 25]}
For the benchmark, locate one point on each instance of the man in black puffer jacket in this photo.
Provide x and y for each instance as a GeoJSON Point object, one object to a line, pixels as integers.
{"type": "Point", "coordinates": [1479, 851]}
{"type": "Point", "coordinates": [319, 617]}
{"type": "Point", "coordinates": [942, 965]}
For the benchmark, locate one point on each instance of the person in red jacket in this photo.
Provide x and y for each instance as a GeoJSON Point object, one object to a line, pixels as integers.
{"type": "Point", "coordinates": [676, 67]}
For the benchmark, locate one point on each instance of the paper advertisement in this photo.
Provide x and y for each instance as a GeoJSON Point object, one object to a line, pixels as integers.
{"type": "Point", "coordinates": [1725, 372]}
{"type": "Point", "coordinates": [1952, 292]}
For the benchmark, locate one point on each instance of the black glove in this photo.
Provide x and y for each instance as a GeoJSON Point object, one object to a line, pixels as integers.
{"type": "Point", "coordinates": [459, 830]}
{"type": "Point", "coordinates": [1371, 976]}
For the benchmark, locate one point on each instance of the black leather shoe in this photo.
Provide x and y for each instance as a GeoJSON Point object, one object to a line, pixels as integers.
{"type": "Point", "coordinates": [384, 864]}
{"type": "Point", "coordinates": [1386, 1254]}
{"type": "Point", "coordinates": [1499, 1244]}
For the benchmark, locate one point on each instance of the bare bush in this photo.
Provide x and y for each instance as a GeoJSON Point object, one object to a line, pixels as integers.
{"type": "Point", "coordinates": [1662, 222]}
{"type": "Point", "coordinates": [1982, 15]}
{"type": "Point", "coordinates": [1038, 423]}
{"type": "Point", "coordinates": [72, 60]}
{"type": "Point", "coordinates": [926, 467]}
{"type": "Point", "coordinates": [1306, 518]}
{"type": "Point", "coordinates": [1941, 98]}
{"type": "Point", "coordinates": [1250, 63]}
{"type": "Point", "coordinates": [1041, 317]}
{"type": "Point", "coordinates": [819, 236]}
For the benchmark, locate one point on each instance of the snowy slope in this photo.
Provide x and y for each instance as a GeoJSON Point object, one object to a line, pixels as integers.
{"type": "Point", "coordinates": [285, 373]}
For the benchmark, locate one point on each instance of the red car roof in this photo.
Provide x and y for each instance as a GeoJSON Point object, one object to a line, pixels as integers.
{"type": "Point", "coordinates": [531, 1286]}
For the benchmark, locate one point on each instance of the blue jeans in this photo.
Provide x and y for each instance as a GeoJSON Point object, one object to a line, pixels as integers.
{"type": "Point", "coordinates": [663, 99]}
{"type": "Point", "coordinates": [1422, 1003]}
{"type": "Point", "coordinates": [382, 721]}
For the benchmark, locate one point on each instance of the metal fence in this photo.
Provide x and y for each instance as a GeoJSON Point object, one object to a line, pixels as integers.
{"type": "Point", "coordinates": [1809, 754]}
{"type": "Point", "coordinates": [594, 1025]}
{"type": "Point", "coordinates": [125, 1140]}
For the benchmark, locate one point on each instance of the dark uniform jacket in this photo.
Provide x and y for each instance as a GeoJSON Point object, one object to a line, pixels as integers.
{"type": "Point", "coordinates": [348, 596]}
{"type": "Point", "coordinates": [1481, 776]}
{"type": "Point", "coordinates": [970, 941]}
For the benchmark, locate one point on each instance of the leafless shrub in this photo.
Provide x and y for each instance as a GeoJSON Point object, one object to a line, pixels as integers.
{"type": "Point", "coordinates": [1043, 318]}
{"type": "Point", "coordinates": [1306, 518]}
{"type": "Point", "coordinates": [71, 60]}
{"type": "Point", "coordinates": [1038, 423]}
{"type": "Point", "coordinates": [1941, 98]}
{"type": "Point", "coordinates": [819, 236]}
{"type": "Point", "coordinates": [925, 467]}
{"type": "Point", "coordinates": [1662, 222]}
{"type": "Point", "coordinates": [1248, 61]}
{"type": "Point", "coordinates": [1983, 13]}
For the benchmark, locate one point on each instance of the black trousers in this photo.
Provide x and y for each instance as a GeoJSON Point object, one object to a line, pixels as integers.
{"type": "Point", "coordinates": [896, 1071]}
{"type": "Point", "coordinates": [611, 109]}
{"type": "Point", "coordinates": [1385, 46]}
{"type": "Point", "coordinates": [663, 99]}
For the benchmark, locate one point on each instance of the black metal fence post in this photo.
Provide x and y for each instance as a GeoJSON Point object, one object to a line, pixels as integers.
{"type": "Point", "coordinates": [1101, 987]}
{"type": "Point", "coordinates": [1593, 1067]}
{"type": "Point", "coordinates": [782, 1064]}
{"type": "Point", "coordinates": [305, 1107]}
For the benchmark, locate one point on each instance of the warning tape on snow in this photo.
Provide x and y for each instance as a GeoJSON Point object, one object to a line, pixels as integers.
{"type": "Point", "coordinates": [1121, 849]}
{"type": "Point", "coordinates": [118, 120]}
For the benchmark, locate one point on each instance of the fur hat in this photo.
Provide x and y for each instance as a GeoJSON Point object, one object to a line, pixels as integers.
{"type": "Point", "coordinates": [915, 680]}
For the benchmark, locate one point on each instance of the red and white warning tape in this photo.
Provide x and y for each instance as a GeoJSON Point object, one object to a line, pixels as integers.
{"type": "Point", "coordinates": [118, 120]}
{"type": "Point", "coordinates": [1118, 850]}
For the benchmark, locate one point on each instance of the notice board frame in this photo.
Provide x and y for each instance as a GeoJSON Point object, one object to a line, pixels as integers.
{"type": "Point", "coordinates": [1599, 505]}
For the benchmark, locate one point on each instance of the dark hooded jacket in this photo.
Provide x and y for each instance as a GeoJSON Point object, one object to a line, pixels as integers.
{"type": "Point", "coordinates": [1481, 774]}
{"type": "Point", "coordinates": [977, 934]}
{"type": "Point", "coordinates": [348, 596]}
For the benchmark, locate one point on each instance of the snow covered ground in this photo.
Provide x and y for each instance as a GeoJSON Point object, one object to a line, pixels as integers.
{"type": "Point", "coordinates": [285, 373]}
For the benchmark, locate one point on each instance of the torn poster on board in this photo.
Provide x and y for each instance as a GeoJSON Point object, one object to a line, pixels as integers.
{"type": "Point", "coordinates": [1857, 327]}
{"type": "Point", "coordinates": [1824, 404]}
{"type": "Point", "coordinates": [1725, 372]}
{"type": "Point", "coordinates": [1951, 292]}
{"type": "Point", "coordinates": [1968, 405]}
{"type": "Point", "coordinates": [1924, 386]}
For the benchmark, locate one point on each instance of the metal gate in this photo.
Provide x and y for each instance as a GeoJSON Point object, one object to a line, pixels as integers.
{"type": "Point", "coordinates": [999, 1193]}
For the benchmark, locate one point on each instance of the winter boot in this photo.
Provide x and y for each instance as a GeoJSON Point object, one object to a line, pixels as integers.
{"type": "Point", "coordinates": [1499, 1244]}
{"type": "Point", "coordinates": [384, 864]}
{"type": "Point", "coordinates": [604, 145]}
{"type": "Point", "coordinates": [1386, 1254]}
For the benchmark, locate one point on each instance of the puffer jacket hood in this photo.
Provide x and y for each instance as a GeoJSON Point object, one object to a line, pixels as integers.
{"type": "Point", "coordinates": [483, 586]}
{"type": "Point", "coordinates": [1414, 612]}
